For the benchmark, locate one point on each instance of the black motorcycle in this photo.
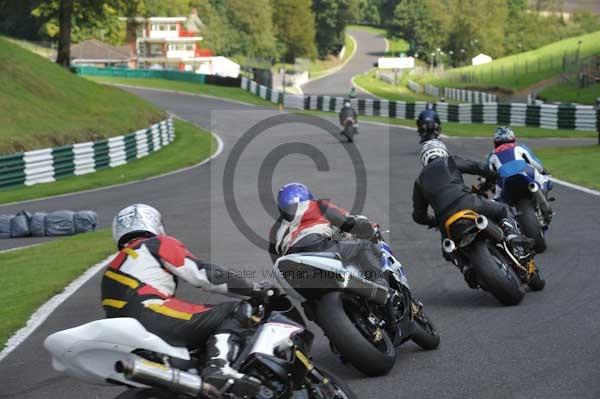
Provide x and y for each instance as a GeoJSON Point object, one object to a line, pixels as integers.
{"type": "Point", "coordinates": [275, 351]}
{"type": "Point", "coordinates": [478, 247]}
{"type": "Point", "coordinates": [355, 314]}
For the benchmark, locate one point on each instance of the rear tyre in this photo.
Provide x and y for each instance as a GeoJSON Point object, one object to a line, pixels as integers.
{"type": "Point", "coordinates": [345, 326]}
{"type": "Point", "coordinates": [496, 275]}
{"type": "Point", "coordinates": [146, 393]}
{"type": "Point", "coordinates": [530, 225]}
{"type": "Point", "coordinates": [537, 282]}
{"type": "Point", "coordinates": [424, 333]}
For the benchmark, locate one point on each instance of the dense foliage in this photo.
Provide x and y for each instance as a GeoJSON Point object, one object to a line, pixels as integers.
{"type": "Point", "coordinates": [462, 29]}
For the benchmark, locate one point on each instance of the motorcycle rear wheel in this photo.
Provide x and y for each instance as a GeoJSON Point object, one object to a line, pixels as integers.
{"type": "Point", "coordinates": [496, 274]}
{"type": "Point", "coordinates": [146, 393]}
{"type": "Point", "coordinates": [530, 225]}
{"type": "Point", "coordinates": [342, 327]}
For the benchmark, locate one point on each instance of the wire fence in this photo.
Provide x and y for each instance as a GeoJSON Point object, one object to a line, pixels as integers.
{"type": "Point", "coordinates": [518, 71]}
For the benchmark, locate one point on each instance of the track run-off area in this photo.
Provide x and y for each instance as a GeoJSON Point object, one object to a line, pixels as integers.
{"type": "Point", "coordinates": [546, 347]}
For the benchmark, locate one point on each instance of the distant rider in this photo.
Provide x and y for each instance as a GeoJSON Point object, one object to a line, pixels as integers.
{"type": "Point", "coordinates": [429, 125]}
{"type": "Point", "coordinates": [307, 224]}
{"type": "Point", "coordinates": [508, 156]}
{"type": "Point", "coordinates": [141, 281]}
{"type": "Point", "coordinates": [352, 93]}
{"type": "Point", "coordinates": [347, 112]}
{"type": "Point", "coordinates": [440, 185]}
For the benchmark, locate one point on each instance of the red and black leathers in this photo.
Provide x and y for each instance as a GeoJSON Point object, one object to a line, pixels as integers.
{"type": "Point", "coordinates": [141, 281]}
{"type": "Point", "coordinates": [309, 226]}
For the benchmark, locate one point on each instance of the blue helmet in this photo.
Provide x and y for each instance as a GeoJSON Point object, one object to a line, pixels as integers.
{"type": "Point", "coordinates": [293, 193]}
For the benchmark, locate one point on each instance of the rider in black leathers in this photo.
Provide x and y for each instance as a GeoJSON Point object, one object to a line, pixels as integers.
{"type": "Point", "coordinates": [440, 185]}
{"type": "Point", "coordinates": [429, 125]}
{"type": "Point", "coordinates": [347, 112]}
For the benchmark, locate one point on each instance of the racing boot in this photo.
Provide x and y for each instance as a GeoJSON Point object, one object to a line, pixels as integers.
{"type": "Point", "coordinates": [221, 350]}
{"type": "Point", "coordinates": [519, 243]}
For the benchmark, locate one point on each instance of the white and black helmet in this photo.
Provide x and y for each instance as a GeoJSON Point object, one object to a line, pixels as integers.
{"type": "Point", "coordinates": [136, 220]}
{"type": "Point", "coordinates": [433, 149]}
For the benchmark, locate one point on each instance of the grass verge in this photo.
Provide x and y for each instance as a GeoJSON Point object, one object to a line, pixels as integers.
{"type": "Point", "coordinates": [456, 129]}
{"type": "Point", "coordinates": [191, 145]}
{"type": "Point", "coordinates": [382, 89]}
{"type": "Point", "coordinates": [578, 165]}
{"type": "Point", "coordinates": [571, 93]}
{"type": "Point", "coordinates": [230, 93]}
{"type": "Point", "coordinates": [521, 70]}
{"type": "Point", "coordinates": [43, 105]}
{"type": "Point", "coordinates": [33, 275]}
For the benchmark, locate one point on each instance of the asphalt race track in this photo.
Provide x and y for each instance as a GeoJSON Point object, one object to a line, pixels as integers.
{"type": "Point", "coordinates": [369, 48]}
{"type": "Point", "coordinates": [547, 347]}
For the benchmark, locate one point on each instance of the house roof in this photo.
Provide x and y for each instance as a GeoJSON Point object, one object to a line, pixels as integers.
{"type": "Point", "coordinates": [97, 50]}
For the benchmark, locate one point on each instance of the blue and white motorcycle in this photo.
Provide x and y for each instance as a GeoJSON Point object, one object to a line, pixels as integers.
{"type": "Point", "coordinates": [525, 189]}
{"type": "Point", "coordinates": [363, 320]}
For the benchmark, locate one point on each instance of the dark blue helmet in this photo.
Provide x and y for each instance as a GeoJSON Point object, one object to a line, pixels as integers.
{"type": "Point", "coordinates": [428, 115]}
{"type": "Point", "coordinates": [293, 193]}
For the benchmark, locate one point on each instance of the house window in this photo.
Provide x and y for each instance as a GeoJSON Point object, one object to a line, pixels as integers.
{"type": "Point", "coordinates": [172, 27]}
{"type": "Point", "coordinates": [162, 27]}
{"type": "Point", "coordinates": [156, 49]}
{"type": "Point", "coordinates": [189, 47]}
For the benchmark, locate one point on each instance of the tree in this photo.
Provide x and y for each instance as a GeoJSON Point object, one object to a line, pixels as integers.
{"type": "Point", "coordinates": [368, 12]}
{"type": "Point", "coordinates": [253, 22]}
{"type": "Point", "coordinates": [294, 25]}
{"type": "Point", "coordinates": [331, 17]}
{"type": "Point", "coordinates": [85, 19]}
{"type": "Point", "coordinates": [417, 22]}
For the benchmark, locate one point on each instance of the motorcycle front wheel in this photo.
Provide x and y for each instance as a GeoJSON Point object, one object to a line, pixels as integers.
{"type": "Point", "coordinates": [146, 393]}
{"type": "Point", "coordinates": [348, 331]}
{"type": "Point", "coordinates": [424, 333]}
{"type": "Point", "coordinates": [495, 274]}
{"type": "Point", "coordinates": [333, 388]}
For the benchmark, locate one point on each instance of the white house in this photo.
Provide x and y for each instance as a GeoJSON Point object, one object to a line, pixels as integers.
{"type": "Point", "coordinates": [481, 59]}
{"type": "Point", "coordinates": [175, 43]}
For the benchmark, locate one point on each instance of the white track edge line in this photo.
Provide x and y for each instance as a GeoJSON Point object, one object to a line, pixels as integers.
{"type": "Point", "coordinates": [575, 186]}
{"type": "Point", "coordinates": [92, 190]}
{"type": "Point", "coordinates": [43, 312]}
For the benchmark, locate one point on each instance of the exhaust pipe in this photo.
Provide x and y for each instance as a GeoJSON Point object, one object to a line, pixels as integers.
{"type": "Point", "coordinates": [364, 288]}
{"type": "Point", "coordinates": [448, 246]}
{"type": "Point", "coordinates": [158, 375]}
{"type": "Point", "coordinates": [492, 231]}
{"type": "Point", "coordinates": [540, 198]}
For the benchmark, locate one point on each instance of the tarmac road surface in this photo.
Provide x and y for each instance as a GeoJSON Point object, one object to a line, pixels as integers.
{"type": "Point", "coordinates": [547, 347]}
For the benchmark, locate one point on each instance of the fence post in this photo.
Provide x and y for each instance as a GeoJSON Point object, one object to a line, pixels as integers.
{"type": "Point", "coordinates": [598, 118]}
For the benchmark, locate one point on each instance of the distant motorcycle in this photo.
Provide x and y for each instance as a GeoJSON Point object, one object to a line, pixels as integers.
{"type": "Point", "coordinates": [120, 351]}
{"type": "Point", "coordinates": [350, 129]}
{"type": "Point", "coordinates": [351, 309]}
{"type": "Point", "coordinates": [520, 189]}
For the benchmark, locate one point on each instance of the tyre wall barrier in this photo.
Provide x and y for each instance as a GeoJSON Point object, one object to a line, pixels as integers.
{"type": "Point", "coordinates": [548, 116]}
{"type": "Point", "coordinates": [50, 164]}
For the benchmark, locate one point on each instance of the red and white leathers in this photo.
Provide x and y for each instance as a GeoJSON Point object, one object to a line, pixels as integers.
{"type": "Point", "coordinates": [141, 281]}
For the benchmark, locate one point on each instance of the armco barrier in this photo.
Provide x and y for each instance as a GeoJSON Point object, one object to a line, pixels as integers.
{"type": "Point", "coordinates": [158, 74]}
{"type": "Point", "coordinates": [48, 165]}
{"type": "Point", "coordinates": [468, 96]}
{"type": "Point", "coordinates": [571, 117]}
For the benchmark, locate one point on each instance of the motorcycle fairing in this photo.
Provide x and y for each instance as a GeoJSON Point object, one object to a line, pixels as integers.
{"type": "Point", "coordinates": [90, 351]}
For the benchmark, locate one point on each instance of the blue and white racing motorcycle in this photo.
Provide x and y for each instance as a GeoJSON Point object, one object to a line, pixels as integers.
{"type": "Point", "coordinates": [354, 312]}
{"type": "Point", "coordinates": [521, 189]}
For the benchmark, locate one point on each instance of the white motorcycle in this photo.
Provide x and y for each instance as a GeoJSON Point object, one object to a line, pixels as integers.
{"type": "Point", "coordinates": [354, 312]}
{"type": "Point", "coordinates": [121, 351]}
